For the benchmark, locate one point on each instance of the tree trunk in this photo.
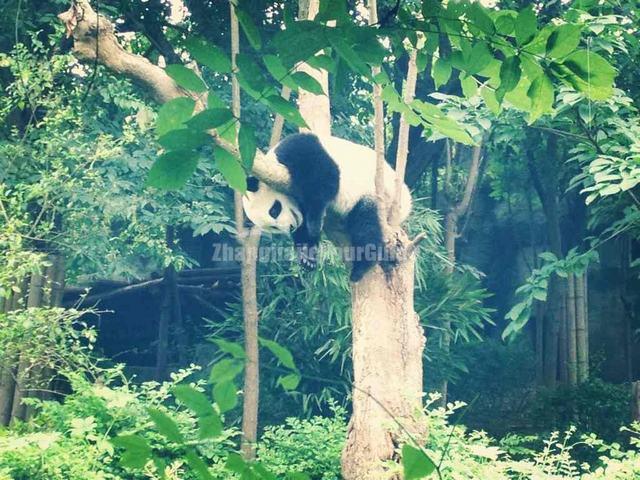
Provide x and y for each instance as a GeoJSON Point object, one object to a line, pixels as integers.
{"type": "Point", "coordinates": [251, 390]}
{"type": "Point", "coordinates": [7, 373]}
{"type": "Point", "coordinates": [540, 311]}
{"type": "Point", "coordinates": [388, 342]}
{"type": "Point", "coordinates": [635, 401]}
{"type": "Point", "coordinates": [34, 300]}
{"type": "Point", "coordinates": [572, 347]}
{"type": "Point", "coordinates": [582, 326]}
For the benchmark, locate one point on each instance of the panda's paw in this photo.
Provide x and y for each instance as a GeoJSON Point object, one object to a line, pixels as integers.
{"type": "Point", "coordinates": [307, 260]}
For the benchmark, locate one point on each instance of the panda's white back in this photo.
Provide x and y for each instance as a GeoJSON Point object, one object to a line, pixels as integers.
{"type": "Point", "coordinates": [357, 165]}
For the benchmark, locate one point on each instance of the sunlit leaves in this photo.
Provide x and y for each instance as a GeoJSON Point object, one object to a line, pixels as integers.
{"type": "Point", "coordinates": [173, 114]}
{"type": "Point", "coordinates": [307, 82]}
{"type": "Point", "coordinates": [526, 26]}
{"type": "Point", "coordinates": [210, 425]}
{"type": "Point", "coordinates": [563, 41]}
{"type": "Point", "coordinates": [589, 73]}
{"type": "Point", "coordinates": [165, 425]}
{"type": "Point", "coordinates": [232, 348]}
{"type": "Point", "coordinates": [291, 380]}
{"type": "Point", "coordinates": [198, 466]}
{"type": "Point", "coordinates": [541, 94]}
{"type": "Point", "coordinates": [230, 168]}
{"type": "Point", "coordinates": [299, 41]}
{"type": "Point", "coordinates": [225, 395]}
{"type": "Point", "coordinates": [415, 463]}
{"type": "Point", "coordinates": [510, 73]}
{"type": "Point", "coordinates": [441, 72]}
{"type": "Point", "coordinates": [208, 54]}
{"type": "Point", "coordinates": [186, 78]}
{"type": "Point", "coordinates": [137, 451]}
{"type": "Point", "coordinates": [173, 169]}
{"type": "Point", "coordinates": [480, 19]}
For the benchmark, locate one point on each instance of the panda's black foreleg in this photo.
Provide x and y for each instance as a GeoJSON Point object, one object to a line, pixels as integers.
{"type": "Point", "coordinates": [306, 246]}
{"type": "Point", "coordinates": [365, 232]}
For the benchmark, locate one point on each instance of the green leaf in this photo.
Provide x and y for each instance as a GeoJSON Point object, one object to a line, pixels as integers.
{"type": "Point", "coordinates": [490, 99]}
{"type": "Point", "coordinates": [505, 23]}
{"type": "Point", "coordinates": [478, 58]}
{"type": "Point", "coordinates": [541, 94]}
{"type": "Point", "coordinates": [198, 466]}
{"type": "Point", "coordinates": [510, 73]}
{"type": "Point", "coordinates": [232, 348]}
{"type": "Point", "coordinates": [307, 82]}
{"type": "Point", "coordinates": [526, 26]}
{"type": "Point", "coordinates": [247, 144]}
{"type": "Point", "coordinates": [225, 370]}
{"type": "Point", "coordinates": [235, 463]}
{"type": "Point", "coordinates": [299, 41]}
{"type": "Point", "coordinates": [563, 41]}
{"type": "Point", "coordinates": [186, 78]}
{"type": "Point", "coordinates": [281, 353]}
{"type": "Point", "coordinates": [184, 139]}
{"type": "Point", "coordinates": [249, 28]}
{"type": "Point", "coordinates": [230, 168]}
{"type": "Point", "coordinates": [591, 74]}
{"type": "Point", "coordinates": [194, 400]}
{"type": "Point", "coordinates": [348, 54]}
{"type": "Point", "coordinates": [226, 395]}
{"type": "Point", "coordinates": [322, 62]}
{"type": "Point", "coordinates": [250, 72]}
{"type": "Point", "coordinates": [288, 110]}
{"type": "Point", "coordinates": [210, 118]}
{"type": "Point", "coordinates": [480, 19]}
{"type": "Point", "coordinates": [137, 451]}
{"type": "Point", "coordinates": [278, 71]}
{"type": "Point", "coordinates": [165, 425]}
{"type": "Point", "coordinates": [209, 427]}
{"type": "Point", "coordinates": [208, 54]}
{"type": "Point", "coordinates": [469, 86]}
{"type": "Point", "coordinates": [415, 463]}
{"type": "Point", "coordinates": [290, 381]}
{"type": "Point", "coordinates": [173, 169]}
{"type": "Point", "coordinates": [441, 71]}
{"type": "Point", "coordinates": [173, 114]}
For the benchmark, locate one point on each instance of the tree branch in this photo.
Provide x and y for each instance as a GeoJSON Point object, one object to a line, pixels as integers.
{"type": "Point", "coordinates": [94, 35]}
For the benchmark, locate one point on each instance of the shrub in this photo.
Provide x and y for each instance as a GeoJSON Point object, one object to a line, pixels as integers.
{"type": "Point", "coordinates": [312, 446]}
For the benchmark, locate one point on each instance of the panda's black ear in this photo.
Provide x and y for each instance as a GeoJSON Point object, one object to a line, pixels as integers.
{"type": "Point", "coordinates": [252, 184]}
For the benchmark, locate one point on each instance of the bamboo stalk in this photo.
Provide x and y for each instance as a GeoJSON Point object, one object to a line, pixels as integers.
{"type": "Point", "coordinates": [582, 327]}
{"type": "Point", "coordinates": [572, 354]}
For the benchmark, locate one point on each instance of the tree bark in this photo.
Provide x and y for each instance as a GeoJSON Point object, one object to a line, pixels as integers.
{"type": "Point", "coordinates": [7, 374]}
{"type": "Point", "coordinates": [388, 343]}
{"type": "Point", "coordinates": [581, 329]}
{"type": "Point", "coordinates": [34, 300]}
{"type": "Point", "coordinates": [635, 401]}
{"type": "Point", "coordinates": [572, 347]}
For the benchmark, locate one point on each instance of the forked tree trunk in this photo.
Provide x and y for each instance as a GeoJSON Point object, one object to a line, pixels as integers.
{"type": "Point", "coordinates": [388, 343]}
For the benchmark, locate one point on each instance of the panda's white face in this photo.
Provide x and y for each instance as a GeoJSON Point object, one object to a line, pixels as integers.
{"type": "Point", "coordinates": [269, 209]}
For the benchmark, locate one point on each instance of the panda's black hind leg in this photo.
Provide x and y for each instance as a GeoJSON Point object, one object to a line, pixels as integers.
{"type": "Point", "coordinates": [365, 232]}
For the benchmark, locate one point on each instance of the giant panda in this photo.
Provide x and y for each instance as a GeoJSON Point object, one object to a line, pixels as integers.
{"type": "Point", "coordinates": [326, 173]}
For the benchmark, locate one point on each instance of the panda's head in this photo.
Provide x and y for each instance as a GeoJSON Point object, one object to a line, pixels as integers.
{"type": "Point", "coordinates": [269, 209]}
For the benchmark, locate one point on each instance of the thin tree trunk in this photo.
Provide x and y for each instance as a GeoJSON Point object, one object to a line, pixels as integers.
{"type": "Point", "coordinates": [34, 300]}
{"type": "Point", "coordinates": [635, 401]}
{"type": "Point", "coordinates": [539, 315]}
{"type": "Point", "coordinates": [572, 348]}
{"type": "Point", "coordinates": [166, 312]}
{"type": "Point", "coordinates": [582, 326]}
{"type": "Point", "coordinates": [7, 373]}
{"type": "Point", "coordinates": [563, 353]}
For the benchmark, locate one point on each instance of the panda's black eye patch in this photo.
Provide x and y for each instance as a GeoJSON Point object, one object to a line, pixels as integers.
{"type": "Point", "coordinates": [275, 209]}
{"type": "Point", "coordinates": [252, 184]}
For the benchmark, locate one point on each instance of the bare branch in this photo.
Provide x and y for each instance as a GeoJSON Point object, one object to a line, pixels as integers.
{"type": "Point", "coordinates": [403, 136]}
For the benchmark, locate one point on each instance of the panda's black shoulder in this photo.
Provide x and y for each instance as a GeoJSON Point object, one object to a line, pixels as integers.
{"type": "Point", "coordinates": [308, 161]}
